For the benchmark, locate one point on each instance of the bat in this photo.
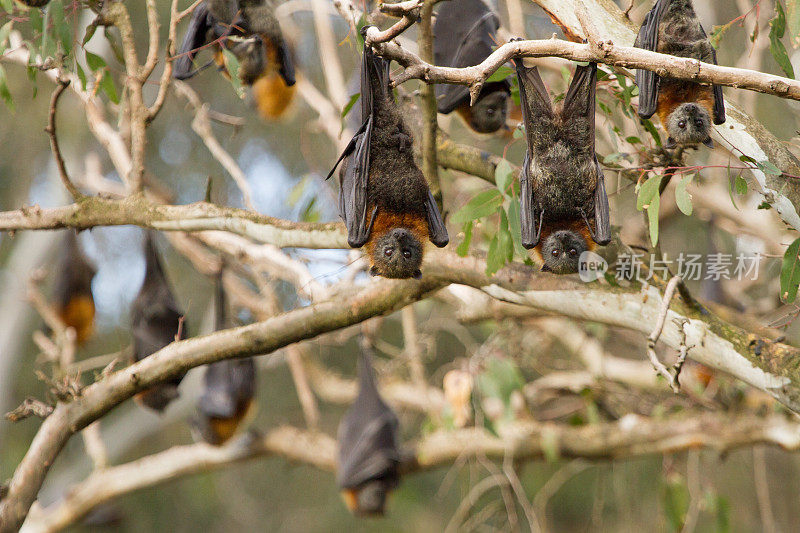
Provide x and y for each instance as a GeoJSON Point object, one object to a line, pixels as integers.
{"type": "Point", "coordinates": [73, 288]}
{"type": "Point", "coordinates": [228, 392]}
{"type": "Point", "coordinates": [369, 453]}
{"type": "Point", "coordinates": [463, 37]}
{"type": "Point", "coordinates": [685, 108]}
{"type": "Point", "coordinates": [563, 202]}
{"type": "Point", "coordinates": [384, 199]}
{"type": "Point", "coordinates": [249, 29]}
{"type": "Point", "coordinates": [155, 323]}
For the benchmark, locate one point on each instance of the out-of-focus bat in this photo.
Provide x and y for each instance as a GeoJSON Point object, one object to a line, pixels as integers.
{"type": "Point", "coordinates": [384, 199]}
{"type": "Point", "coordinates": [249, 29]}
{"type": "Point", "coordinates": [562, 191]}
{"type": "Point", "coordinates": [155, 320]}
{"type": "Point", "coordinates": [229, 390]}
{"type": "Point", "coordinates": [463, 37]}
{"type": "Point", "coordinates": [73, 289]}
{"type": "Point", "coordinates": [685, 108]}
{"type": "Point", "coordinates": [369, 452]}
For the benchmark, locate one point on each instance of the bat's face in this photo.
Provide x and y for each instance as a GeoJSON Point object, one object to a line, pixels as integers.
{"type": "Point", "coordinates": [368, 499]}
{"type": "Point", "coordinates": [397, 254]}
{"type": "Point", "coordinates": [561, 251]}
{"type": "Point", "coordinates": [688, 124]}
{"type": "Point", "coordinates": [490, 112]}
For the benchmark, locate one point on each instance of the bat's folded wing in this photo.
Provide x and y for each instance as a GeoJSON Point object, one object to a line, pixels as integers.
{"type": "Point", "coordinates": [646, 80]}
{"type": "Point", "coordinates": [368, 449]}
{"type": "Point", "coordinates": [530, 218]}
{"type": "Point", "coordinates": [602, 218]}
{"type": "Point", "coordinates": [195, 38]}
{"type": "Point", "coordinates": [437, 232]}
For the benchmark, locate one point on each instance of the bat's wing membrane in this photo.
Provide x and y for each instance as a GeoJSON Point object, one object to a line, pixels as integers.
{"type": "Point", "coordinates": [369, 450]}
{"type": "Point", "coordinates": [536, 105]}
{"type": "Point", "coordinates": [646, 80]}
{"type": "Point", "coordinates": [602, 218]}
{"type": "Point", "coordinates": [199, 26]}
{"type": "Point", "coordinates": [437, 232]}
{"type": "Point", "coordinates": [719, 101]}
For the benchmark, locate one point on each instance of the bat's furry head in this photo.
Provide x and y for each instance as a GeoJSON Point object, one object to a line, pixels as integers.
{"type": "Point", "coordinates": [369, 498]}
{"type": "Point", "coordinates": [562, 250]}
{"type": "Point", "coordinates": [490, 112]}
{"type": "Point", "coordinates": [396, 254]}
{"type": "Point", "coordinates": [689, 123]}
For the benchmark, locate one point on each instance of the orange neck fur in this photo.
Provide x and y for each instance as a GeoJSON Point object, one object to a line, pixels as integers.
{"type": "Point", "coordinates": [386, 221]}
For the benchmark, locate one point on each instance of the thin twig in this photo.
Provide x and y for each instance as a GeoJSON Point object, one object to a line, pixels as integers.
{"type": "Point", "coordinates": [652, 339]}
{"type": "Point", "coordinates": [51, 132]}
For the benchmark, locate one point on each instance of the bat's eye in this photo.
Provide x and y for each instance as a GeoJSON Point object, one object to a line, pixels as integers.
{"type": "Point", "coordinates": [681, 124]}
{"type": "Point", "coordinates": [406, 254]}
{"type": "Point", "coordinates": [388, 252]}
{"type": "Point", "coordinates": [699, 123]}
{"type": "Point", "coordinates": [555, 253]}
{"type": "Point", "coordinates": [490, 112]}
{"type": "Point", "coordinates": [573, 252]}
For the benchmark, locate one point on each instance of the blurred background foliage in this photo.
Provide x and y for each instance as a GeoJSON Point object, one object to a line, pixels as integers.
{"type": "Point", "coordinates": [287, 161]}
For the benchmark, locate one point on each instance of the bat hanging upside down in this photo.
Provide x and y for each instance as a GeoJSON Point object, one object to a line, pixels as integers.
{"type": "Point", "coordinates": [369, 453]}
{"type": "Point", "coordinates": [155, 320]}
{"type": "Point", "coordinates": [685, 108]}
{"type": "Point", "coordinates": [464, 35]}
{"type": "Point", "coordinates": [562, 190]}
{"type": "Point", "coordinates": [384, 199]}
{"type": "Point", "coordinates": [249, 29]}
{"type": "Point", "coordinates": [73, 291]}
{"type": "Point", "coordinates": [229, 390]}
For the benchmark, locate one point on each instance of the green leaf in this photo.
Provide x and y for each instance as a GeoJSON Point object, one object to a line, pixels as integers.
{"type": "Point", "coordinates": [740, 185]}
{"type": "Point", "coordinates": [500, 74]}
{"type": "Point", "coordinates": [481, 205]}
{"type": "Point", "coordinates": [652, 217]}
{"type": "Point", "coordinates": [94, 61]}
{"type": "Point", "coordinates": [648, 125]}
{"type": "Point", "coordinates": [682, 197]}
{"type": "Point", "coordinates": [108, 87]}
{"type": "Point", "coordinates": [81, 76]}
{"type": "Point", "coordinates": [793, 21]}
{"type": "Point", "coordinates": [5, 31]}
{"type": "Point", "coordinates": [500, 379]}
{"type": "Point", "coordinates": [350, 103]}
{"type": "Point", "coordinates": [8, 5]}
{"type": "Point", "coordinates": [60, 25]}
{"type": "Point", "coordinates": [633, 140]}
{"type": "Point", "coordinates": [515, 227]}
{"type": "Point", "coordinates": [494, 258]}
{"type": "Point", "coordinates": [503, 176]}
{"type": "Point", "coordinates": [647, 191]}
{"type": "Point", "coordinates": [731, 181]}
{"type": "Point", "coordinates": [5, 93]}
{"type": "Point", "coordinates": [676, 501]}
{"type": "Point", "coordinates": [747, 159]}
{"type": "Point", "coordinates": [463, 248]}
{"type": "Point", "coordinates": [90, 29]}
{"type": "Point", "coordinates": [35, 20]}
{"type": "Point", "coordinates": [232, 64]}
{"type": "Point", "coordinates": [790, 272]}
{"type": "Point", "coordinates": [776, 47]}
{"type": "Point", "coordinates": [519, 131]}
{"type": "Point", "coordinates": [114, 44]}
{"type": "Point", "coordinates": [768, 168]}
{"type": "Point", "coordinates": [506, 242]}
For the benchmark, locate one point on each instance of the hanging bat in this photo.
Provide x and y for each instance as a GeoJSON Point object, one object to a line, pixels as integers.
{"type": "Point", "coordinates": [562, 191]}
{"type": "Point", "coordinates": [384, 199]}
{"type": "Point", "coordinates": [229, 389]}
{"type": "Point", "coordinates": [369, 452]}
{"type": "Point", "coordinates": [73, 289]}
{"type": "Point", "coordinates": [463, 37]}
{"type": "Point", "coordinates": [155, 321]}
{"type": "Point", "coordinates": [685, 108]}
{"type": "Point", "coordinates": [249, 29]}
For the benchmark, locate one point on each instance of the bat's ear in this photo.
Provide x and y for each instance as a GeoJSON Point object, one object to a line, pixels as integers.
{"type": "Point", "coordinates": [670, 143]}
{"type": "Point", "coordinates": [373, 271]}
{"type": "Point", "coordinates": [417, 274]}
{"type": "Point", "coordinates": [708, 142]}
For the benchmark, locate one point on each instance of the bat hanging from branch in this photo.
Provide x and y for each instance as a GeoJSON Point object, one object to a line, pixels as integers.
{"type": "Point", "coordinates": [685, 108]}
{"type": "Point", "coordinates": [564, 207]}
{"type": "Point", "coordinates": [250, 30]}
{"type": "Point", "coordinates": [384, 199]}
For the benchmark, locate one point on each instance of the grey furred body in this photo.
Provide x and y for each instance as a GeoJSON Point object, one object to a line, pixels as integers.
{"type": "Point", "coordinates": [561, 158]}
{"type": "Point", "coordinates": [368, 437]}
{"type": "Point", "coordinates": [155, 321]}
{"type": "Point", "coordinates": [75, 271]}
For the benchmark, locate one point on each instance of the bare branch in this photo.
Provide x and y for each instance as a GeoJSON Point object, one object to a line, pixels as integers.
{"type": "Point", "coordinates": [51, 132]}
